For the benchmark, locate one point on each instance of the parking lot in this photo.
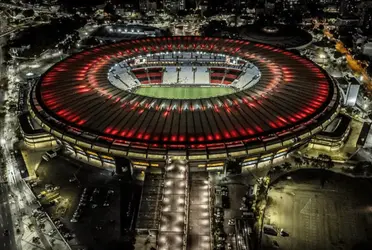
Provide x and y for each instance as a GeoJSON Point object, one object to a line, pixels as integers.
{"type": "Point", "coordinates": [96, 223]}
{"type": "Point", "coordinates": [148, 214]}
{"type": "Point", "coordinates": [234, 188]}
{"type": "Point", "coordinates": [335, 216]}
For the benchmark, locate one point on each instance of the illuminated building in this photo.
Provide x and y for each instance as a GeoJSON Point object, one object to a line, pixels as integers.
{"type": "Point", "coordinates": [352, 91]}
{"type": "Point", "coordinates": [174, 5]}
{"type": "Point", "coordinates": [334, 136]}
{"type": "Point", "coordinates": [283, 36]}
{"type": "Point", "coordinates": [96, 114]}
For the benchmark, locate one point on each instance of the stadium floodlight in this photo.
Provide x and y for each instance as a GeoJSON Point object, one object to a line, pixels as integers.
{"type": "Point", "coordinates": [322, 56]}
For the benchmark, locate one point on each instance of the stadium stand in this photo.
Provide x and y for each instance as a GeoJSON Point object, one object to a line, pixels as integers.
{"type": "Point", "coordinates": [170, 75]}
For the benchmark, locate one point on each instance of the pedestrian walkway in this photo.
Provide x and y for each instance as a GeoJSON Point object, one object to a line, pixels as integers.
{"type": "Point", "coordinates": [174, 211]}
{"type": "Point", "coordinates": [199, 226]}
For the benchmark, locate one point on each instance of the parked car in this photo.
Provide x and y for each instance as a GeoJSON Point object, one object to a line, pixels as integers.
{"type": "Point", "coordinates": [248, 214]}
{"type": "Point", "coordinates": [52, 232]}
{"type": "Point", "coordinates": [283, 233]}
{"type": "Point", "coordinates": [72, 179]}
{"type": "Point", "coordinates": [270, 230]}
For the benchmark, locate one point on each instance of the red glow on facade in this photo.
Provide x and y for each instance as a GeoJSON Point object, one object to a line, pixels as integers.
{"type": "Point", "coordinates": [81, 122]}
{"type": "Point", "coordinates": [265, 104]}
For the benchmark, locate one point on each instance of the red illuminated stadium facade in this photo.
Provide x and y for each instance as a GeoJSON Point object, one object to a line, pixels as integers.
{"type": "Point", "coordinates": [76, 103]}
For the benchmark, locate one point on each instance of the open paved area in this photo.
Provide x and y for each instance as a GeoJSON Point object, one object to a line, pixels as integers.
{"type": "Point", "coordinates": [99, 225]}
{"type": "Point", "coordinates": [7, 241]}
{"type": "Point", "coordinates": [32, 158]}
{"type": "Point", "coordinates": [320, 211]}
{"type": "Point", "coordinates": [199, 231]}
{"type": "Point", "coordinates": [149, 211]}
{"type": "Point", "coordinates": [346, 151]}
{"type": "Point", "coordinates": [173, 219]}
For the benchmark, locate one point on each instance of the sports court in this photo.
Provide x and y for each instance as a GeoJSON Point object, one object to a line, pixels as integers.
{"type": "Point", "coordinates": [183, 92]}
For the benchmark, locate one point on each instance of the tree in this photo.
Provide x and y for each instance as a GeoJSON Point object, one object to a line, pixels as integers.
{"type": "Point", "coordinates": [306, 161]}
{"type": "Point", "coordinates": [28, 13]}
{"type": "Point", "coordinates": [298, 161]}
{"type": "Point", "coordinates": [361, 57]}
{"type": "Point", "coordinates": [369, 69]}
{"type": "Point", "coordinates": [314, 162]}
{"type": "Point", "coordinates": [317, 31]}
{"type": "Point", "coordinates": [197, 4]}
{"type": "Point", "coordinates": [182, 13]}
{"type": "Point", "coordinates": [358, 169]}
{"type": "Point", "coordinates": [287, 166]}
{"type": "Point", "coordinates": [329, 164]}
{"type": "Point", "coordinates": [109, 8]}
{"type": "Point", "coordinates": [324, 161]}
{"type": "Point", "coordinates": [363, 166]}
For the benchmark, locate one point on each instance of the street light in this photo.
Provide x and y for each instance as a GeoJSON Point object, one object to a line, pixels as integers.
{"type": "Point", "coordinates": [322, 56]}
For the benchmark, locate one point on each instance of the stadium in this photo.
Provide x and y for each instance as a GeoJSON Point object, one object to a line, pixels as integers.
{"type": "Point", "coordinates": [197, 98]}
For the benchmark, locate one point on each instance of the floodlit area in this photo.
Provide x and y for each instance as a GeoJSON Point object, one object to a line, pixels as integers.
{"type": "Point", "coordinates": [199, 227]}
{"type": "Point", "coordinates": [148, 214]}
{"type": "Point", "coordinates": [173, 219]}
{"type": "Point", "coordinates": [343, 153]}
{"type": "Point", "coordinates": [336, 215]}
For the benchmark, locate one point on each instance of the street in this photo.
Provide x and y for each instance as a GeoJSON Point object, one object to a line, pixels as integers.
{"type": "Point", "coordinates": [18, 202]}
{"type": "Point", "coordinates": [6, 241]}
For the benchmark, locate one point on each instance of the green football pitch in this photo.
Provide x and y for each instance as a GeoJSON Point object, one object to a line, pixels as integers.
{"type": "Point", "coordinates": [184, 92]}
